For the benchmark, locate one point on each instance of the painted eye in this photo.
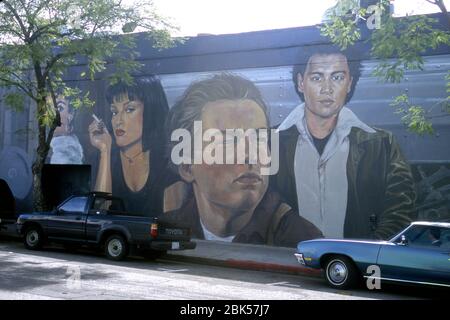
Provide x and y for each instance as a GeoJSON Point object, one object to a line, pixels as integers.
{"type": "Point", "coordinates": [339, 77]}
{"type": "Point", "coordinates": [130, 109]}
{"type": "Point", "coordinates": [113, 112]}
{"type": "Point", "coordinates": [315, 78]}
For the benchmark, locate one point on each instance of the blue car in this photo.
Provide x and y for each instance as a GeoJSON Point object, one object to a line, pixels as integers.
{"type": "Point", "coordinates": [420, 254]}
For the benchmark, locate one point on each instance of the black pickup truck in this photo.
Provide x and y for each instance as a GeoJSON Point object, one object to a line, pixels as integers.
{"type": "Point", "coordinates": [100, 220]}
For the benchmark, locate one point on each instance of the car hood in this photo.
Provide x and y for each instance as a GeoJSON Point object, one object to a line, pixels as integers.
{"type": "Point", "coordinates": [366, 241]}
{"type": "Point", "coordinates": [34, 214]}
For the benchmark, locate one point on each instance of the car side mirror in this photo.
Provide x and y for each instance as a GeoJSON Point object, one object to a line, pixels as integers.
{"type": "Point", "coordinates": [403, 241]}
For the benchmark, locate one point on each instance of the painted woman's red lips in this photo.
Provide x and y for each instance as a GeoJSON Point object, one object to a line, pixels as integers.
{"type": "Point", "coordinates": [249, 178]}
{"type": "Point", "coordinates": [119, 132]}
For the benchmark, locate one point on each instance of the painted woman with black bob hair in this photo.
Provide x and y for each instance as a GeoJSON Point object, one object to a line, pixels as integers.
{"type": "Point", "coordinates": [133, 166]}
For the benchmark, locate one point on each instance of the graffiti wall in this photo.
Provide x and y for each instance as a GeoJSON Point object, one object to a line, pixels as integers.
{"type": "Point", "coordinates": [270, 143]}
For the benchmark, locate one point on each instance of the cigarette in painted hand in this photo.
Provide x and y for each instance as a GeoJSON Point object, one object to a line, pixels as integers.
{"type": "Point", "coordinates": [100, 125]}
{"type": "Point", "coordinates": [96, 118]}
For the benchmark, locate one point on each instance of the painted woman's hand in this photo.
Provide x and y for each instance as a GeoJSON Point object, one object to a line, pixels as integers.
{"type": "Point", "coordinates": [99, 136]}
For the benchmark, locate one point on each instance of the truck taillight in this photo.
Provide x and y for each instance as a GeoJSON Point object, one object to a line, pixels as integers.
{"type": "Point", "coordinates": [154, 230]}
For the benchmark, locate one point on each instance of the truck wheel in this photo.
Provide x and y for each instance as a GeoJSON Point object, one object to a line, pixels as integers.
{"type": "Point", "coordinates": [341, 272]}
{"type": "Point", "coordinates": [116, 247]}
{"type": "Point", "coordinates": [33, 238]}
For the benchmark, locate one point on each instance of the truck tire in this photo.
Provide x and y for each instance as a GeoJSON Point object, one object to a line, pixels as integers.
{"type": "Point", "coordinates": [116, 247]}
{"type": "Point", "coordinates": [33, 238]}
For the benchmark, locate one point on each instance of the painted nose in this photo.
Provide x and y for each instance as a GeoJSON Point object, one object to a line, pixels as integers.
{"type": "Point", "coordinates": [119, 119]}
{"type": "Point", "coordinates": [327, 87]}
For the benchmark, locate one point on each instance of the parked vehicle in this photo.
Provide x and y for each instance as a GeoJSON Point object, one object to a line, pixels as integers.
{"type": "Point", "coordinates": [100, 220]}
{"type": "Point", "coordinates": [7, 206]}
{"type": "Point", "coordinates": [420, 254]}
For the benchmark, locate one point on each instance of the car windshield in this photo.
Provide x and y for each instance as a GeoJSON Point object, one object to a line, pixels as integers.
{"type": "Point", "coordinates": [425, 235]}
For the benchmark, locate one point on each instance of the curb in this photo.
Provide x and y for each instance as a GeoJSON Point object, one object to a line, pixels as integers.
{"type": "Point", "coordinates": [246, 265]}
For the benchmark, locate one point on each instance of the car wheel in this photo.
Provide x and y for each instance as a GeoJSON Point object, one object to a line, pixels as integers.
{"type": "Point", "coordinates": [33, 238]}
{"type": "Point", "coordinates": [341, 272]}
{"type": "Point", "coordinates": [116, 247]}
{"type": "Point", "coordinates": [153, 254]}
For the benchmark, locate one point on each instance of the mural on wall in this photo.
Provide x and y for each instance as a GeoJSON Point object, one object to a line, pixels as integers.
{"type": "Point", "coordinates": [65, 145]}
{"type": "Point", "coordinates": [230, 201]}
{"type": "Point", "coordinates": [130, 143]}
{"type": "Point", "coordinates": [433, 189]}
{"type": "Point", "coordinates": [347, 178]}
{"type": "Point", "coordinates": [338, 175]}
{"type": "Point", "coordinates": [15, 171]}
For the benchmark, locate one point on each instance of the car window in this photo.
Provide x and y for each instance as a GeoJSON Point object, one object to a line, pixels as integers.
{"type": "Point", "coordinates": [76, 204]}
{"type": "Point", "coordinates": [429, 236]}
{"type": "Point", "coordinates": [445, 238]}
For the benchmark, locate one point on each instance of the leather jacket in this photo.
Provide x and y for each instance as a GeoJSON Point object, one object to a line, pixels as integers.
{"type": "Point", "coordinates": [381, 191]}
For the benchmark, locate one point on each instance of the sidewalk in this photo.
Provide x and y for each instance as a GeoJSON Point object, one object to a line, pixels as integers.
{"type": "Point", "coordinates": [243, 256]}
{"type": "Point", "coordinates": [233, 255]}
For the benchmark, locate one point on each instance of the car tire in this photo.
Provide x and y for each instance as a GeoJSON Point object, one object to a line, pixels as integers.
{"type": "Point", "coordinates": [153, 254]}
{"type": "Point", "coordinates": [33, 238]}
{"type": "Point", "coordinates": [116, 247]}
{"type": "Point", "coordinates": [341, 272]}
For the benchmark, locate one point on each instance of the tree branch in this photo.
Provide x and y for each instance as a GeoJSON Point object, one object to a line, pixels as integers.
{"type": "Point", "coordinates": [10, 82]}
{"type": "Point", "coordinates": [18, 19]}
{"type": "Point", "coordinates": [51, 63]}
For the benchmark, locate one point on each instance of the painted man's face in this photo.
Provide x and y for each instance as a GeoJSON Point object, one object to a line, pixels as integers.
{"type": "Point", "coordinates": [325, 84]}
{"type": "Point", "coordinates": [127, 120]}
{"type": "Point", "coordinates": [238, 187]}
{"type": "Point", "coordinates": [65, 128]}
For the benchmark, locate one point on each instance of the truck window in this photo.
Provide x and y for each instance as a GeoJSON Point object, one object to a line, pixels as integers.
{"type": "Point", "coordinates": [111, 204]}
{"type": "Point", "coordinates": [76, 204]}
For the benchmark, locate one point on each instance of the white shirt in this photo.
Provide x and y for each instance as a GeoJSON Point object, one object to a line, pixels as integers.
{"type": "Point", "coordinates": [321, 180]}
{"type": "Point", "coordinates": [66, 150]}
{"type": "Point", "coordinates": [211, 236]}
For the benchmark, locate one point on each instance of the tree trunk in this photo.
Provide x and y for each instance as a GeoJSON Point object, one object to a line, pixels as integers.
{"type": "Point", "coordinates": [441, 5]}
{"type": "Point", "coordinates": [39, 203]}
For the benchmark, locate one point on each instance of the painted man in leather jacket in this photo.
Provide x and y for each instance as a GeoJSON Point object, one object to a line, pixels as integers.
{"type": "Point", "coordinates": [347, 178]}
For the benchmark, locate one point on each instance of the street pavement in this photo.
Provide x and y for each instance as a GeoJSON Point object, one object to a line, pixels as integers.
{"type": "Point", "coordinates": [54, 273]}
{"type": "Point", "coordinates": [244, 256]}
{"type": "Point", "coordinates": [208, 254]}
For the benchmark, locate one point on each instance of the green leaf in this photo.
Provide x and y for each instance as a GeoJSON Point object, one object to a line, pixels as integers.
{"type": "Point", "coordinates": [129, 27]}
{"type": "Point", "coordinates": [15, 101]}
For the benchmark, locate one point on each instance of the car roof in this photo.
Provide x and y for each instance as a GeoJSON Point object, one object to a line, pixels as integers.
{"type": "Point", "coordinates": [432, 223]}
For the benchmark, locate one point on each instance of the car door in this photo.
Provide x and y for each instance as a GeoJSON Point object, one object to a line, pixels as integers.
{"type": "Point", "coordinates": [416, 260]}
{"type": "Point", "coordinates": [69, 221]}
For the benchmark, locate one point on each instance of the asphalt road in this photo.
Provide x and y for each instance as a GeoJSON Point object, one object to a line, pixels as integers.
{"type": "Point", "coordinates": [57, 274]}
